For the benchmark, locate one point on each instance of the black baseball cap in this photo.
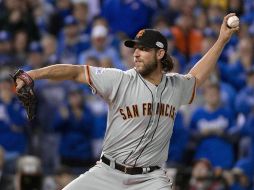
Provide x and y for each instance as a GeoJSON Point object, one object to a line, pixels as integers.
{"type": "Point", "coordinates": [149, 38]}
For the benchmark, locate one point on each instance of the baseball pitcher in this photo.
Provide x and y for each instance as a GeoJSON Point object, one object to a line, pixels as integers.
{"type": "Point", "coordinates": [143, 103]}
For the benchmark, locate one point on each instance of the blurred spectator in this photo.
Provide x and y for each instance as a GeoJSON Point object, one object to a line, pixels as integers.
{"type": "Point", "coordinates": [13, 122]}
{"type": "Point", "coordinates": [170, 12]}
{"type": "Point", "coordinates": [161, 25]}
{"type": "Point", "coordinates": [20, 45]}
{"type": "Point", "coordinates": [50, 46]}
{"type": "Point", "coordinates": [245, 99]}
{"type": "Point", "coordinates": [50, 95]}
{"type": "Point", "coordinates": [29, 173]}
{"type": "Point", "coordinates": [178, 143]}
{"type": "Point", "coordinates": [35, 57]}
{"type": "Point", "coordinates": [134, 15]}
{"type": "Point", "coordinates": [236, 6]}
{"type": "Point", "coordinates": [93, 61]}
{"type": "Point", "coordinates": [126, 56]}
{"type": "Point", "coordinates": [106, 63]}
{"type": "Point", "coordinates": [241, 175]}
{"type": "Point", "coordinates": [191, 7]}
{"type": "Point", "coordinates": [40, 15]}
{"type": "Point", "coordinates": [210, 125]}
{"type": "Point", "coordinates": [215, 15]}
{"type": "Point", "coordinates": [6, 181]}
{"type": "Point", "coordinates": [100, 47]}
{"type": "Point", "coordinates": [244, 106]}
{"type": "Point", "coordinates": [75, 123]}
{"type": "Point", "coordinates": [209, 38]}
{"type": "Point", "coordinates": [80, 12]}
{"type": "Point", "coordinates": [56, 21]}
{"type": "Point", "coordinates": [63, 176]}
{"type": "Point", "coordinates": [16, 16]}
{"type": "Point", "coordinates": [228, 93]}
{"type": "Point", "coordinates": [99, 109]}
{"type": "Point", "coordinates": [187, 39]}
{"type": "Point", "coordinates": [248, 6]}
{"type": "Point", "coordinates": [249, 125]}
{"type": "Point", "coordinates": [222, 4]}
{"type": "Point", "coordinates": [112, 39]}
{"type": "Point", "coordinates": [245, 26]}
{"type": "Point", "coordinates": [201, 19]}
{"type": "Point", "coordinates": [93, 8]}
{"type": "Point", "coordinates": [235, 72]}
{"type": "Point", "coordinates": [6, 56]}
{"type": "Point", "coordinates": [70, 44]}
{"type": "Point", "coordinates": [202, 177]}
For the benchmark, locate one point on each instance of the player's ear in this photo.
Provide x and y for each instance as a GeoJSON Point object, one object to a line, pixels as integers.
{"type": "Point", "coordinates": [160, 53]}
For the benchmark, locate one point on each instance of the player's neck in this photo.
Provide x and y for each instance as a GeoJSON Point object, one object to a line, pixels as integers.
{"type": "Point", "coordinates": [154, 77]}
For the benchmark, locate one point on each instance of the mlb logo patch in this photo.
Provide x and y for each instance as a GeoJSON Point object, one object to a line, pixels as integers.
{"type": "Point", "coordinates": [188, 76]}
{"type": "Point", "coordinates": [99, 71]}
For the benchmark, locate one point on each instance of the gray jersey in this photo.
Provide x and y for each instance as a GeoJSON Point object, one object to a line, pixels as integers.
{"type": "Point", "coordinates": [141, 115]}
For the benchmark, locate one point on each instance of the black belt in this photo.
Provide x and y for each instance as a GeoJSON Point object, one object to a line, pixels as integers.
{"type": "Point", "coordinates": [130, 170]}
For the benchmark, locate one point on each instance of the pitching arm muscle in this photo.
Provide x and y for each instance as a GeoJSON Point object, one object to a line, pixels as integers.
{"type": "Point", "coordinates": [60, 72]}
{"type": "Point", "coordinates": [206, 64]}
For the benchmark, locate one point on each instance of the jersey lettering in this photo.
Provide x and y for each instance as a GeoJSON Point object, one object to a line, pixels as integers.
{"type": "Point", "coordinates": [144, 108]}
{"type": "Point", "coordinates": [132, 111]}
{"type": "Point", "coordinates": [166, 111]}
{"type": "Point", "coordinates": [162, 106]}
{"type": "Point", "coordinates": [135, 110]}
{"type": "Point", "coordinates": [149, 111]}
{"type": "Point", "coordinates": [172, 112]}
{"type": "Point", "coordinates": [122, 113]}
{"type": "Point", "coordinates": [129, 112]}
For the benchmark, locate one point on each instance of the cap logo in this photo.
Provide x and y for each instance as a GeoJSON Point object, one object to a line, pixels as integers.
{"type": "Point", "coordinates": [159, 44]}
{"type": "Point", "coordinates": [140, 33]}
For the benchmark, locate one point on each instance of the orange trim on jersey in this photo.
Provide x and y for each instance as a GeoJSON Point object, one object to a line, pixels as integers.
{"type": "Point", "coordinates": [87, 72]}
{"type": "Point", "coordinates": [88, 78]}
{"type": "Point", "coordinates": [193, 91]}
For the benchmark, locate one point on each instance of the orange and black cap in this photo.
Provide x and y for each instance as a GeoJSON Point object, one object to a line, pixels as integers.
{"type": "Point", "coordinates": [149, 38]}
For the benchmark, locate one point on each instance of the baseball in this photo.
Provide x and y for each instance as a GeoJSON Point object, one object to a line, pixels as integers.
{"type": "Point", "coordinates": [233, 22]}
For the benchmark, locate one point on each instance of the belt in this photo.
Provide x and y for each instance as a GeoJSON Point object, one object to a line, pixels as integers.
{"type": "Point", "coordinates": [130, 170]}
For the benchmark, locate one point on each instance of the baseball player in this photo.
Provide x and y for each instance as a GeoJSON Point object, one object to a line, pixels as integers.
{"type": "Point", "coordinates": [143, 103]}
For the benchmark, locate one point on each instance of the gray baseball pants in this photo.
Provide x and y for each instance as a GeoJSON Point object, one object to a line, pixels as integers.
{"type": "Point", "coordinates": [103, 177]}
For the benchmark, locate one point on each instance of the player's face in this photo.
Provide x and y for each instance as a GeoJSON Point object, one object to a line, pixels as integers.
{"type": "Point", "coordinates": [145, 60]}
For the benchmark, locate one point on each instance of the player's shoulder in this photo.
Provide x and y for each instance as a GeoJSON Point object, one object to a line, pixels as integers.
{"type": "Point", "coordinates": [130, 72]}
{"type": "Point", "coordinates": [178, 76]}
{"type": "Point", "coordinates": [104, 69]}
{"type": "Point", "coordinates": [112, 72]}
{"type": "Point", "coordinates": [100, 71]}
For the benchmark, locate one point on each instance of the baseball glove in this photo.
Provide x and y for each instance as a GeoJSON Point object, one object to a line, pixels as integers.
{"type": "Point", "coordinates": [26, 93]}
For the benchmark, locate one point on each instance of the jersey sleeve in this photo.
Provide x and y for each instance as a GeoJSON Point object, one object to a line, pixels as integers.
{"type": "Point", "coordinates": [187, 88]}
{"type": "Point", "coordinates": [103, 81]}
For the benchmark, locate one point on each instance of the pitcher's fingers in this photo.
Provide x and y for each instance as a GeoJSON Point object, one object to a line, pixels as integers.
{"type": "Point", "coordinates": [235, 29]}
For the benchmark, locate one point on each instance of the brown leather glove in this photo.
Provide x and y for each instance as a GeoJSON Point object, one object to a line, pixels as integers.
{"type": "Point", "coordinates": [26, 94]}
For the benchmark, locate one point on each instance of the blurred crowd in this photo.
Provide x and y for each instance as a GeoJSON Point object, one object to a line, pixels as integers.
{"type": "Point", "coordinates": [212, 147]}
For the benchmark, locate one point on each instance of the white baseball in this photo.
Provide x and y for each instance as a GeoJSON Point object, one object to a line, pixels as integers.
{"type": "Point", "coordinates": [233, 22]}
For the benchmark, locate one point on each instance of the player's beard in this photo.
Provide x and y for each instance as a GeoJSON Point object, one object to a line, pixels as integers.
{"type": "Point", "coordinates": [148, 68]}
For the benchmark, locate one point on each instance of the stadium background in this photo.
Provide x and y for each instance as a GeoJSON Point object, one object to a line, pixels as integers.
{"type": "Point", "coordinates": [212, 144]}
